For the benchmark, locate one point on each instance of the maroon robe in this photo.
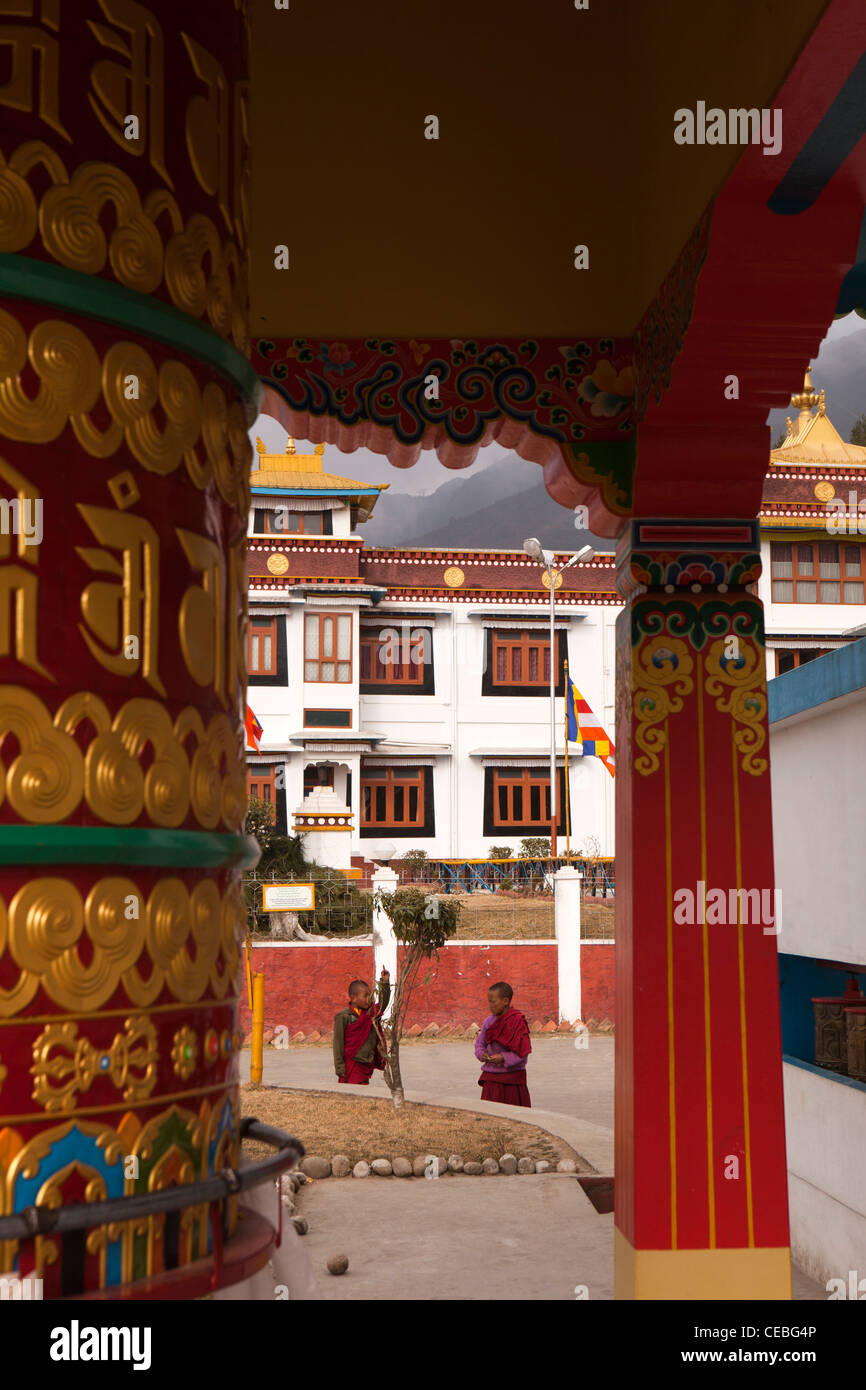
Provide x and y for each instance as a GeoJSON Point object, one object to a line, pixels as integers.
{"type": "Point", "coordinates": [511, 1033]}
{"type": "Point", "coordinates": [357, 1032]}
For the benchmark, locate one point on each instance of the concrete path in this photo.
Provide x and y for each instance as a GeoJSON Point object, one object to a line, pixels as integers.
{"type": "Point", "coordinates": [530, 1237]}
{"type": "Point", "coordinates": [572, 1081]}
{"type": "Point", "coordinates": [410, 1239]}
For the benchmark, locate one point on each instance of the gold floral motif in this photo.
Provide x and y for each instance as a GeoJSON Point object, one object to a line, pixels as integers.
{"type": "Point", "coordinates": [73, 380]}
{"type": "Point", "coordinates": [68, 218]}
{"type": "Point", "coordinates": [3, 1075]}
{"type": "Point", "coordinates": [128, 1063]}
{"type": "Point", "coordinates": [49, 776]}
{"type": "Point", "coordinates": [661, 675]}
{"type": "Point", "coordinates": [46, 920]}
{"type": "Point", "coordinates": [739, 683]}
{"type": "Point", "coordinates": [183, 1052]}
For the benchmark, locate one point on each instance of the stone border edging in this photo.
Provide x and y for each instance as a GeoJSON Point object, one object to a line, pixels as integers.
{"type": "Point", "coordinates": [593, 1142]}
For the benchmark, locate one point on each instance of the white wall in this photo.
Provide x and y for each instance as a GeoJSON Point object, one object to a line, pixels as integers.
{"type": "Point", "coordinates": [818, 779]}
{"type": "Point", "coordinates": [825, 1124]}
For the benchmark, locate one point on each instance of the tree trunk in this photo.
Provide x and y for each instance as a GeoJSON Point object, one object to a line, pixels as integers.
{"type": "Point", "coordinates": [392, 1075]}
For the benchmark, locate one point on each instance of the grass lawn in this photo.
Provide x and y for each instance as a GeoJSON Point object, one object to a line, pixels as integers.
{"type": "Point", "coordinates": [367, 1128]}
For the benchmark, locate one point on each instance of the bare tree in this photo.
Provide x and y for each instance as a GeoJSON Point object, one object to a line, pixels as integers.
{"type": "Point", "coordinates": [422, 924]}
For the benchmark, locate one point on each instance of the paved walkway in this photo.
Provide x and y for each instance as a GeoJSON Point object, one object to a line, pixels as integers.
{"type": "Point", "coordinates": [573, 1081]}
{"type": "Point", "coordinates": [435, 1240]}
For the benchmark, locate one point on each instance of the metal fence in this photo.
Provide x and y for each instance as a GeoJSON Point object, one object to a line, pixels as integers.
{"type": "Point", "coordinates": [344, 907]}
{"type": "Point", "coordinates": [489, 875]}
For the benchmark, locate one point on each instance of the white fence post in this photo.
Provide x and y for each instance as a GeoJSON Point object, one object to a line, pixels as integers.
{"type": "Point", "coordinates": [384, 940]}
{"type": "Point", "coordinates": [566, 918]}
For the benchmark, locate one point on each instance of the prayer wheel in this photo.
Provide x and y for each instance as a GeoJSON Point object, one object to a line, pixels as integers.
{"type": "Point", "coordinates": [125, 399]}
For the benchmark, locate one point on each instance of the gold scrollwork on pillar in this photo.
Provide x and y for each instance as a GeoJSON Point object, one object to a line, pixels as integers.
{"type": "Point", "coordinates": [46, 920]}
{"type": "Point", "coordinates": [64, 1064]}
{"type": "Point", "coordinates": [661, 676]}
{"type": "Point", "coordinates": [739, 683]}
{"type": "Point", "coordinates": [68, 218]}
{"type": "Point", "coordinates": [71, 380]}
{"type": "Point", "coordinates": [47, 779]}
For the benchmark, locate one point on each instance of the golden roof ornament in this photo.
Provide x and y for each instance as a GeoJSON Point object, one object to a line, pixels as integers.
{"type": "Point", "coordinates": [319, 449]}
{"type": "Point", "coordinates": [290, 445]}
{"type": "Point", "coordinates": [807, 398]}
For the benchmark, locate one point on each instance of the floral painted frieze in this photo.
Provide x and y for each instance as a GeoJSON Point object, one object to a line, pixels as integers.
{"type": "Point", "coordinates": [566, 392]}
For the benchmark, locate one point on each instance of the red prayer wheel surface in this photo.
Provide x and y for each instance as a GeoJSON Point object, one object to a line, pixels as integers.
{"type": "Point", "coordinates": [125, 398]}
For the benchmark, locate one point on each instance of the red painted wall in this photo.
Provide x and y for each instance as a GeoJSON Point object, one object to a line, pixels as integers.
{"type": "Point", "coordinates": [597, 981]}
{"type": "Point", "coordinates": [306, 985]}
{"type": "Point", "coordinates": [460, 979]}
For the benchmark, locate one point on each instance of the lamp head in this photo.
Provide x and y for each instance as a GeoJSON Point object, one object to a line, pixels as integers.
{"type": "Point", "coordinates": [532, 547]}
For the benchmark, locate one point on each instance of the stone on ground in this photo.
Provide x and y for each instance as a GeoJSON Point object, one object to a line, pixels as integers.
{"type": "Point", "coordinates": [508, 1163]}
{"type": "Point", "coordinates": [338, 1264]}
{"type": "Point", "coordinates": [300, 1224]}
{"type": "Point", "coordinates": [340, 1166]}
{"type": "Point", "coordinates": [526, 1165]}
{"type": "Point", "coordinates": [490, 1166]}
{"type": "Point", "coordinates": [473, 1169]}
{"type": "Point", "coordinates": [402, 1168]}
{"type": "Point", "coordinates": [542, 1166]}
{"type": "Point", "coordinates": [361, 1170]}
{"type": "Point", "coordinates": [314, 1167]}
{"type": "Point", "coordinates": [382, 1167]}
{"type": "Point", "coordinates": [455, 1163]}
{"type": "Point", "coordinates": [566, 1165]}
{"type": "Point", "coordinates": [419, 1164]}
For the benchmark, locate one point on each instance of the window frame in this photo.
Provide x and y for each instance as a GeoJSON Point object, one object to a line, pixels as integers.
{"type": "Point", "coordinates": [526, 777]}
{"type": "Point", "coordinates": [321, 618]}
{"type": "Point", "coordinates": [814, 576]}
{"type": "Point", "coordinates": [395, 779]}
{"type": "Point", "coordinates": [492, 686]}
{"type": "Point", "coordinates": [374, 684]}
{"type": "Point", "coordinates": [263, 627]}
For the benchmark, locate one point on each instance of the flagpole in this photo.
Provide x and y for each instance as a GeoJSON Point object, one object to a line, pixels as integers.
{"type": "Point", "coordinates": [567, 784]}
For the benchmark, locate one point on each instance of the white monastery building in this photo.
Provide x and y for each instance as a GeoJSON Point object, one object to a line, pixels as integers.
{"type": "Point", "coordinates": [406, 690]}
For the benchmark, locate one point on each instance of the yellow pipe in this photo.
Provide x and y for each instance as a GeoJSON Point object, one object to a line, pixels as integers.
{"type": "Point", "coordinates": [256, 1060]}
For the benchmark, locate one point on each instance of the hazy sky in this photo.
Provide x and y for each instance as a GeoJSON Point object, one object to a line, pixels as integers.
{"type": "Point", "coordinates": [428, 473]}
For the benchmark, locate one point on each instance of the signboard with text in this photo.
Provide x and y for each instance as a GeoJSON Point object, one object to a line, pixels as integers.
{"type": "Point", "coordinates": [288, 897]}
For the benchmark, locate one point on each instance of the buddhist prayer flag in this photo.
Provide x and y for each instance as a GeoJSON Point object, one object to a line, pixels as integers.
{"type": "Point", "coordinates": [253, 730]}
{"type": "Point", "coordinates": [583, 727]}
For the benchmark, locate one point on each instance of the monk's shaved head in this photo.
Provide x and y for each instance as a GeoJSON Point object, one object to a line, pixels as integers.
{"type": "Point", "coordinates": [502, 989]}
{"type": "Point", "coordinates": [358, 987]}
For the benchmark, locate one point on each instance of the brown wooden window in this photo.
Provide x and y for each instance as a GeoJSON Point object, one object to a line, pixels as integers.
{"type": "Point", "coordinates": [517, 800]}
{"type": "Point", "coordinates": [816, 572]}
{"type": "Point", "coordinates": [262, 652]}
{"type": "Point", "coordinates": [294, 523]}
{"type": "Point", "coordinates": [390, 656]}
{"type": "Point", "coordinates": [262, 782]}
{"type": "Point", "coordinates": [521, 658]}
{"type": "Point", "coordinates": [394, 798]}
{"type": "Point", "coordinates": [328, 647]}
{"type": "Point", "coordinates": [790, 660]}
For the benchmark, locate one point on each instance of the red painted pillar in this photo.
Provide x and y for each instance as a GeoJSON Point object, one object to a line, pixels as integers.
{"type": "Point", "coordinates": [701, 1184]}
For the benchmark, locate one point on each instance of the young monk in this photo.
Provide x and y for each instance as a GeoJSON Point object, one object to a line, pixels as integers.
{"type": "Point", "coordinates": [357, 1050]}
{"type": "Point", "coordinates": [503, 1046]}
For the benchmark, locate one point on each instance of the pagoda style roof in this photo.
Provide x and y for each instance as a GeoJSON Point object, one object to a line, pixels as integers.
{"type": "Point", "coordinates": [811, 468]}
{"type": "Point", "coordinates": [293, 474]}
{"type": "Point", "coordinates": [814, 438]}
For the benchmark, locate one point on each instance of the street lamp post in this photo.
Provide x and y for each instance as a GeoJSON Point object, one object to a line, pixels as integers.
{"type": "Point", "coordinates": [532, 546]}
